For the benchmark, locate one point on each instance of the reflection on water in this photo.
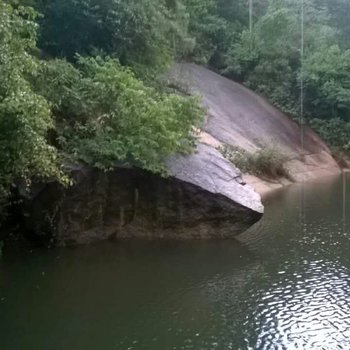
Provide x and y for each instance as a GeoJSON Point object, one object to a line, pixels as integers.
{"type": "Point", "coordinates": [306, 310]}
{"type": "Point", "coordinates": [284, 284]}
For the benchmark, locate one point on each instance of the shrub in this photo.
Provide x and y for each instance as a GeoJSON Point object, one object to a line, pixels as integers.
{"type": "Point", "coordinates": [266, 162]}
{"type": "Point", "coordinates": [105, 115]}
{"type": "Point", "coordinates": [336, 132]}
{"type": "Point", "coordinates": [25, 116]}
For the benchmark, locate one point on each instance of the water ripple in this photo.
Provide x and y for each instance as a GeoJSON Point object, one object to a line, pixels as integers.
{"type": "Point", "coordinates": [307, 311]}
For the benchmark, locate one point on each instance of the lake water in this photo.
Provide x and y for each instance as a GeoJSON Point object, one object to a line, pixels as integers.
{"type": "Point", "coordinates": [284, 284]}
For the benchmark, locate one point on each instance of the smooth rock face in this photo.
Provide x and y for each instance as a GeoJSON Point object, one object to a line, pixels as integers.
{"type": "Point", "coordinates": [205, 200]}
{"type": "Point", "coordinates": [239, 117]}
{"type": "Point", "coordinates": [210, 171]}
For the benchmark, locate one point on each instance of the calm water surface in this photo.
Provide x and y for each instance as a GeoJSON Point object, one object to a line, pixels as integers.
{"type": "Point", "coordinates": [284, 284]}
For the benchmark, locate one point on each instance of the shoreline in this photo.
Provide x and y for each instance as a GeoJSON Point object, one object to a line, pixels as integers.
{"type": "Point", "coordinates": [266, 187]}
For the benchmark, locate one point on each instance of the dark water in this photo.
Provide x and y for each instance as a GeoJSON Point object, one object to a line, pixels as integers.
{"type": "Point", "coordinates": [285, 284]}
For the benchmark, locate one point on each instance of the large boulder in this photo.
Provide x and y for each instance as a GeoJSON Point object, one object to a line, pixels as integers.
{"type": "Point", "coordinates": [239, 117]}
{"type": "Point", "coordinates": [204, 197]}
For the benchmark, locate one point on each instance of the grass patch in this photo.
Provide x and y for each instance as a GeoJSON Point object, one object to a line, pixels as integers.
{"type": "Point", "coordinates": [266, 162]}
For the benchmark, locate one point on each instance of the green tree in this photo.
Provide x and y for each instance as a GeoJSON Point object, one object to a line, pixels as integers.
{"type": "Point", "coordinates": [143, 34]}
{"type": "Point", "coordinates": [336, 132]}
{"type": "Point", "coordinates": [215, 24]}
{"type": "Point", "coordinates": [339, 11]}
{"type": "Point", "coordinates": [106, 116]}
{"type": "Point", "coordinates": [268, 59]}
{"type": "Point", "coordinates": [25, 116]}
{"type": "Point", "coordinates": [327, 83]}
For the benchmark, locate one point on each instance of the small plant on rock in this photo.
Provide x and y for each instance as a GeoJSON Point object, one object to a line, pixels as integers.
{"type": "Point", "coordinates": [266, 162]}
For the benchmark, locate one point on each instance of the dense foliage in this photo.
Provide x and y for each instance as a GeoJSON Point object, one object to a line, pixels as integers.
{"type": "Point", "coordinates": [93, 109]}
{"type": "Point", "coordinates": [335, 132]}
{"type": "Point", "coordinates": [106, 115]}
{"type": "Point", "coordinates": [79, 79]}
{"type": "Point", "coordinates": [265, 53]}
{"type": "Point", "coordinates": [25, 116]}
{"type": "Point", "coordinates": [268, 56]}
{"type": "Point", "coordinates": [269, 60]}
{"type": "Point", "coordinates": [145, 34]}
